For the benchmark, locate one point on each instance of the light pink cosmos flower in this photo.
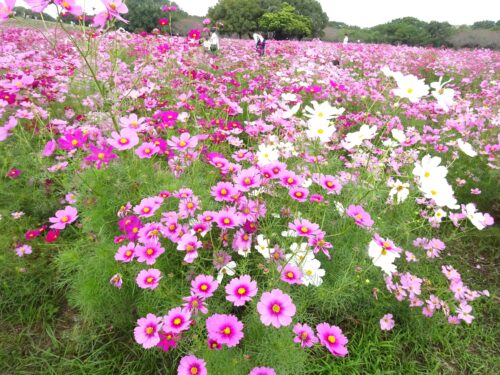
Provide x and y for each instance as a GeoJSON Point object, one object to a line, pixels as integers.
{"type": "Point", "coordinates": [228, 218]}
{"type": "Point", "coordinates": [262, 371]}
{"type": "Point", "coordinates": [69, 6]}
{"type": "Point", "coordinates": [148, 279]}
{"type": "Point", "coordinates": [190, 244]}
{"type": "Point", "coordinates": [146, 332]}
{"type": "Point", "coordinates": [291, 274]}
{"type": "Point", "coordinates": [22, 250]}
{"type": "Point", "coordinates": [225, 329]}
{"type": "Point", "coordinates": [195, 303]}
{"type": "Point", "coordinates": [362, 218]}
{"type": "Point", "coordinates": [304, 228]}
{"type": "Point", "coordinates": [241, 290]}
{"type": "Point", "coordinates": [332, 338]}
{"type": "Point", "coordinates": [5, 130]}
{"type": "Point", "coordinates": [248, 179]}
{"type": "Point", "coordinates": [190, 365]}
{"type": "Point", "coordinates": [64, 217]}
{"type": "Point", "coordinates": [125, 253]}
{"type": "Point", "coordinates": [6, 9]}
{"type": "Point", "coordinates": [276, 308]}
{"type": "Point", "coordinates": [184, 142]}
{"type": "Point", "coordinates": [204, 285]}
{"type": "Point", "coordinates": [125, 140]}
{"type": "Point", "coordinates": [305, 335]}
{"type": "Point", "coordinates": [387, 322]}
{"type": "Point", "coordinates": [116, 280]}
{"type": "Point", "coordinates": [177, 320]}
{"type": "Point", "coordinates": [148, 206]}
{"type": "Point", "coordinates": [147, 150]}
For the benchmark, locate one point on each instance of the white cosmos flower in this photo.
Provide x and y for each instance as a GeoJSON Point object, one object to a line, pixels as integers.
{"type": "Point", "coordinates": [441, 192]}
{"type": "Point", "coordinates": [288, 97]}
{"type": "Point", "coordinates": [262, 246]}
{"type": "Point", "coordinates": [267, 154]}
{"type": "Point", "coordinates": [389, 73]}
{"type": "Point", "coordinates": [356, 138]}
{"type": "Point", "coordinates": [444, 96]}
{"type": "Point", "coordinates": [229, 269]}
{"type": "Point", "coordinates": [382, 258]}
{"type": "Point", "coordinates": [320, 130]}
{"type": "Point", "coordinates": [400, 189]}
{"type": "Point", "coordinates": [291, 111]}
{"type": "Point", "coordinates": [439, 214]}
{"type": "Point", "coordinates": [398, 135]}
{"type": "Point", "coordinates": [475, 217]}
{"type": "Point", "coordinates": [466, 148]}
{"type": "Point", "coordinates": [411, 87]}
{"type": "Point", "coordinates": [312, 272]}
{"type": "Point", "coordinates": [429, 169]}
{"type": "Point", "coordinates": [321, 113]}
{"type": "Point", "coordinates": [299, 254]}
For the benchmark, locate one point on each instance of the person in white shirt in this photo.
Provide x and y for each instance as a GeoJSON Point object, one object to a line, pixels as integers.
{"type": "Point", "coordinates": [260, 43]}
{"type": "Point", "coordinates": [346, 39]}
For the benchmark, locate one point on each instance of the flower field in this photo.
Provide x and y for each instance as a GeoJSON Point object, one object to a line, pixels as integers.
{"type": "Point", "coordinates": [165, 209]}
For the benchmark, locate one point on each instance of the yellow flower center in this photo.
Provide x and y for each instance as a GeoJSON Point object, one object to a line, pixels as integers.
{"type": "Point", "coordinates": [149, 251]}
{"type": "Point", "coordinates": [146, 210]}
{"type": "Point", "coordinates": [123, 141]}
{"type": "Point", "coordinates": [304, 230]}
{"type": "Point", "coordinates": [427, 174]}
{"type": "Point", "coordinates": [190, 205]}
{"type": "Point", "coordinates": [100, 156]}
{"type": "Point", "coordinates": [227, 331]}
{"type": "Point", "coordinates": [241, 291]}
{"type": "Point", "coordinates": [74, 142]}
{"type": "Point", "coordinates": [149, 280]}
{"type": "Point", "coordinates": [290, 275]}
{"type": "Point", "coordinates": [182, 143]}
{"type": "Point", "coordinates": [331, 339]}
{"type": "Point", "coordinates": [65, 219]}
{"type": "Point", "coordinates": [247, 181]}
{"type": "Point", "coordinates": [204, 287]}
{"type": "Point", "coordinates": [276, 308]}
{"type": "Point", "coordinates": [149, 330]}
{"type": "Point", "coordinates": [128, 253]}
{"type": "Point", "coordinates": [226, 221]}
{"type": "Point", "coordinates": [177, 321]}
{"type": "Point", "coordinates": [409, 91]}
{"type": "Point", "coordinates": [193, 370]}
{"type": "Point", "coordinates": [223, 192]}
{"type": "Point", "coordinates": [320, 131]}
{"type": "Point", "coordinates": [113, 6]}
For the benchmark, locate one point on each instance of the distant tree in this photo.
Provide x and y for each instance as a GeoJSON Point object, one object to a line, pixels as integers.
{"type": "Point", "coordinates": [439, 33]}
{"type": "Point", "coordinates": [313, 10]}
{"type": "Point", "coordinates": [144, 14]}
{"type": "Point", "coordinates": [286, 23]}
{"type": "Point", "coordinates": [238, 16]}
{"type": "Point", "coordinates": [484, 25]}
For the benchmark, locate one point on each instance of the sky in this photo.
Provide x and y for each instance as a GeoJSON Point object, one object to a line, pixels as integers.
{"type": "Point", "coordinates": [367, 13]}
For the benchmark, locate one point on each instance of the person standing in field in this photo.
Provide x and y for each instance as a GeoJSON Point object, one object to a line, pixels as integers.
{"type": "Point", "coordinates": [260, 43]}
{"type": "Point", "coordinates": [346, 39]}
{"type": "Point", "coordinates": [213, 43]}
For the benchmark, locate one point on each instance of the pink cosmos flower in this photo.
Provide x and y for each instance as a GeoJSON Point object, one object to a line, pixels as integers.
{"type": "Point", "coordinates": [332, 338]}
{"type": "Point", "coordinates": [148, 207]}
{"type": "Point", "coordinates": [125, 140]}
{"type": "Point", "coordinates": [386, 245]}
{"type": "Point", "coordinates": [190, 244]}
{"type": "Point", "coordinates": [6, 9]}
{"type": "Point", "coordinates": [148, 279]}
{"type": "Point", "coordinates": [241, 290]}
{"type": "Point", "coordinates": [49, 148]}
{"type": "Point", "coordinates": [167, 340]}
{"type": "Point", "coordinates": [305, 335]}
{"type": "Point", "coordinates": [276, 308]}
{"type": "Point", "coordinates": [190, 365]}
{"type": "Point", "coordinates": [228, 218]}
{"type": "Point", "coordinates": [195, 303]}
{"type": "Point", "coordinates": [291, 274]}
{"type": "Point", "coordinates": [290, 179]}
{"type": "Point", "coordinates": [125, 253]}
{"type": "Point", "coordinates": [69, 6]}
{"type": "Point", "coordinates": [387, 323]}
{"type": "Point", "coordinates": [101, 155]}
{"type": "Point", "coordinates": [149, 252]}
{"type": "Point", "coordinates": [225, 329]}
{"type": "Point", "coordinates": [299, 193]}
{"type": "Point", "coordinates": [147, 150]}
{"type": "Point", "coordinates": [64, 217]}
{"type": "Point", "coordinates": [177, 320]}
{"type": "Point", "coordinates": [262, 371]}
{"type": "Point", "coordinates": [248, 179]}
{"type": "Point", "coordinates": [361, 217]}
{"type": "Point", "coordinates": [13, 173]}
{"type": "Point", "coordinates": [146, 332]}
{"type": "Point", "coordinates": [204, 285]}
{"type": "Point", "coordinates": [224, 191]}
{"type": "Point", "coordinates": [304, 228]}
{"type": "Point", "coordinates": [184, 142]}
{"type": "Point", "coordinates": [330, 184]}
{"type": "Point", "coordinates": [194, 34]}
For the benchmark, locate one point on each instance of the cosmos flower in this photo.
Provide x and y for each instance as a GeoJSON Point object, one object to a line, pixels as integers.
{"type": "Point", "coordinates": [146, 332]}
{"type": "Point", "coordinates": [305, 335]}
{"type": "Point", "coordinates": [241, 290]}
{"type": "Point", "coordinates": [276, 308]}
{"type": "Point", "coordinates": [331, 337]}
{"type": "Point", "coordinates": [204, 286]}
{"type": "Point", "coordinates": [64, 217]}
{"type": "Point", "coordinates": [190, 365]}
{"type": "Point", "coordinates": [225, 329]}
{"type": "Point", "coordinates": [387, 323]}
{"type": "Point", "coordinates": [177, 320]}
{"type": "Point", "coordinates": [148, 279]}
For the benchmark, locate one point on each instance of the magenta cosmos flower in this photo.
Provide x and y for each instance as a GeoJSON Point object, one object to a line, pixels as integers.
{"type": "Point", "coordinates": [241, 290]}
{"type": "Point", "coordinates": [291, 274]}
{"type": "Point", "coordinates": [304, 227]}
{"type": "Point", "coordinates": [190, 365]}
{"type": "Point", "coordinates": [125, 253]}
{"type": "Point", "coordinates": [305, 335]}
{"type": "Point", "coordinates": [149, 252]}
{"type": "Point", "coordinates": [276, 308]}
{"type": "Point", "coordinates": [177, 320]}
{"type": "Point", "coordinates": [361, 217]}
{"type": "Point", "coordinates": [101, 156]}
{"type": "Point", "coordinates": [148, 279]}
{"type": "Point", "coordinates": [126, 139]}
{"type": "Point", "coordinates": [225, 329]}
{"type": "Point", "coordinates": [262, 371]}
{"type": "Point", "coordinates": [387, 323]}
{"type": "Point", "coordinates": [228, 218]}
{"type": "Point", "coordinates": [146, 332]}
{"type": "Point", "coordinates": [204, 286]}
{"type": "Point", "coordinates": [64, 217]}
{"type": "Point", "coordinates": [194, 34]}
{"type": "Point", "coordinates": [332, 338]}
